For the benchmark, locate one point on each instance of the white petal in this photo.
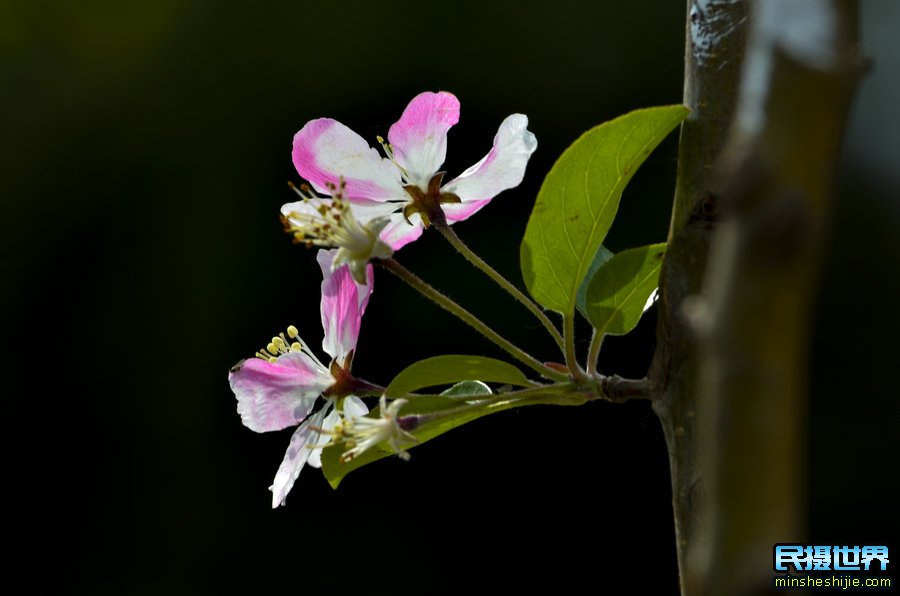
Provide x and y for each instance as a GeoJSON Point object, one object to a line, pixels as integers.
{"type": "Point", "coordinates": [502, 168]}
{"type": "Point", "coordinates": [301, 447]}
{"type": "Point", "coordinates": [328, 424]}
{"type": "Point", "coordinates": [353, 406]}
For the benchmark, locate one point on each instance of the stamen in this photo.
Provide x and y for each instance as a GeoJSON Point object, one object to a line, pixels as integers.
{"type": "Point", "coordinates": [280, 346]}
{"type": "Point", "coordinates": [389, 152]}
{"type": "Point", "coordinates": [304, 192]}
{"type": "Point", "coordinates": [363, 432]}
{"type": "Point", "coordinates": [331, 224]}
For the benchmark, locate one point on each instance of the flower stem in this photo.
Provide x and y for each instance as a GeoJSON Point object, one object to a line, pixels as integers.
{"type": "Point", "coordinates": [363, 388]}
{"type": "Point", "coordinates": [455, 309]}
{"type": "Point", "coordinates": [504, 283]}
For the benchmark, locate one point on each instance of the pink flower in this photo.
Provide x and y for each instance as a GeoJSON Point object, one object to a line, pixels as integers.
{"type": "Point", "coordinates": [394, 196]}
{"type": "Point", "coordinates": [280, 386]}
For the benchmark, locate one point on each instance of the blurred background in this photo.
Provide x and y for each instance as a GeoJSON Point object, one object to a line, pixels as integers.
{"type": "Point", "coordinates": [144, 154]}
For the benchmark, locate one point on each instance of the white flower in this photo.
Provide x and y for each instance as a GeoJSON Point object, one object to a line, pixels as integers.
{"type": "Point", "coordinates": [362, 433]}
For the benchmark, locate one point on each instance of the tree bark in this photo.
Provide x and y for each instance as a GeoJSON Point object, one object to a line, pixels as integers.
{"type": "Point", "coordinates": [739, 278]}
{"type": "Point", "coordinates": [714, 49]}
{"type": "Point", "coordinates": [801, 69]}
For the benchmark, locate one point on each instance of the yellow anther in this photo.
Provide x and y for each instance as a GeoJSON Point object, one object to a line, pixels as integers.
{"type": "Point", "coordinates": [292, 332]}
{"type": "Point", "coordinates": [273, 349]}
{"type": "Point", "coordinates": [279, 343]}
{"type": "Point", "coordinates": [296, 346]}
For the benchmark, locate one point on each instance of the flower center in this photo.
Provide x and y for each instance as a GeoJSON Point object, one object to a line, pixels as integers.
{"type": "Point", "coordinates": [344, 383]}
{"type": "Point", "coordinates": [427, 203]}
{"type": "Point", "coordinates": [363, 433]}
{"type": "Point", "coordinates": [331, 223]}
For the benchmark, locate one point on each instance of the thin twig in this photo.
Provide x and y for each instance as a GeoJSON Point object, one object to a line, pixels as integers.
{"type": "Point", "coordinates": [504, 283]}
{"type": "Point", "coordinates": [461, 313]}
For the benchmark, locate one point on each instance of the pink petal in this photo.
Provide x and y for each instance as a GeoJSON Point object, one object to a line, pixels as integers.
{"type": "Point", "coordinates": [342, 306]}
{"type": "Point", "coordinates": [419, 138]}
{"type": "Point", "coordinates": [460, 211]}
{"type": "Point", "coordinates": [502, 168]}
{"type": "Point", "coordinates": [272, 396]}
{"type": "Point", "coordinates": [398, 233]}
{"type": "Point", "coordinates": [325, 150]}
{"type": "Point", "coordinates": [303, 441]}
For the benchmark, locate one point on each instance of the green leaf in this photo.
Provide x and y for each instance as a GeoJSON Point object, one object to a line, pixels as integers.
{"type": "Point", "coordinates": [579, 199]}
{"type": "Point", "coordinates": [618, 292]}
{"type": "Point", "coordinates": [603, 255]}
{"type": "Point", "coordinates": [335, 471]}
{"type": "Point", "coordinates": [443, 370]}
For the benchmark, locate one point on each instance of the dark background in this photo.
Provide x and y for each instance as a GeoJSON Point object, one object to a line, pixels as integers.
{"type": "Point", "coordinates": [144, 153]}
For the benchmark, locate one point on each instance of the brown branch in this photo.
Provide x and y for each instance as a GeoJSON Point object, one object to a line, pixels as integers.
{"type": "Point", "coordinates": [714, 49]}
{"type": "Point", "coordinates": [618, 389]}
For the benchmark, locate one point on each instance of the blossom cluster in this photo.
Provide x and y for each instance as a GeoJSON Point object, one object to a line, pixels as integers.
{"type": "Point", "coordinates": [360, 206]}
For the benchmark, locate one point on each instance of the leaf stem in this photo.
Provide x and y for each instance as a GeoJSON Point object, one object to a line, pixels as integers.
{"type": "Point", "coordinates": [461, 313]}
{"type": "Point", "coordinates": [504, 283]}
{"type": "Point", "coordinates": [571, 359]}
{"type": "Point", "coordinates": [594, 351]}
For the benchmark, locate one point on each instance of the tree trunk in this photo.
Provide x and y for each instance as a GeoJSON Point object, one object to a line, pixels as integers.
{"type": "Point", "coordinates": [739, 280]}
{"type": "Point", "coordinates": [714, 49]}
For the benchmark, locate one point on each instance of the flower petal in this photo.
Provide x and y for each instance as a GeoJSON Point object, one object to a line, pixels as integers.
{"type": "Point", "coordinates": [328, 424]}
{"type": "Point", "coordinates": [302, 444]}
{"type": "Point", "coordinates": [343, 304]}
{"type": "Point", "coordinates": [455, 212]}
{"type": "Point", "coordinates": [419, 138]}
{"type": "Point", "coordinates": [398, 233]}
{"type": "Point", "coordinates": [353, 406]}
{"type": "Point", "coordinates": [325, 150]}
{"type": "Point", "coordinates": [502, 168]}
{"type": "Point", "coordinates": [272, 396]}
